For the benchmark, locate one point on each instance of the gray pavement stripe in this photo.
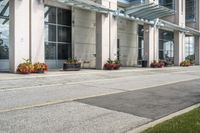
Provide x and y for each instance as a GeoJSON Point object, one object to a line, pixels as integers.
{"type": "Point", "coordinates": [152, 103]}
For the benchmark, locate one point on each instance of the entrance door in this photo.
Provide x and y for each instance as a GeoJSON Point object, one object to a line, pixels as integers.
{"type": "Point", "coordinates": [4, 35]}
{"type": "Point", "coordinates": [58, 45]}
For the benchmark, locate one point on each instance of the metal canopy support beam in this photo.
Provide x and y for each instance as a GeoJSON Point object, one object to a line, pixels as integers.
{"type": "Point", "coordinates": [4, 17]}
{"type": "Point", "coordinates": [88, 5]}
{"type": "Point", "coordinates": [122, 15]}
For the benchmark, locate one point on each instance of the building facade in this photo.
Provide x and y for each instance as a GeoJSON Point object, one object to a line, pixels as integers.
{"type": "Point", "coordinates": [92, 31]}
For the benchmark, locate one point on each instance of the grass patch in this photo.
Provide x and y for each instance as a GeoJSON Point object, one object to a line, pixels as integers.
{"type": "Point", "coordinates": [186, 123]}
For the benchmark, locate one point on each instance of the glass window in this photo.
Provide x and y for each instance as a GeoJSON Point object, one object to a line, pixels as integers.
{"type": "Point", "coordinates": [57, 33]}
{"type": "Point", "coordinates": [64, 34]}
{"type": "Point", "coordinates": [4, 29]}
{"type": "Point", "coordinates": [189, 48]}
{"type": "Point", "coordinates": [50, 31]}
{"type": "Point", "coordinates": [140, 44]}
{"type": "Point", "coordinates": [166, 46]}
{"type": "Point", "coordinates": [167, 3]}
{"type": "Point", "coordinates": [50, 51]}
{"type": "Point", "coordinates": [64, 17]}
{"type": "Point", "coordinates": [50, 14]}
{"type": "Point", "coordinates": [62, 48]}
{"type": "Point", "coordinates": [190, 9]}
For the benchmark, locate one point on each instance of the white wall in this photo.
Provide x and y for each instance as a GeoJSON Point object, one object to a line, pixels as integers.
{"type": "Point", "coordinates": [84, 37]}
{"type": "Point", "coordinates": [127, 34]}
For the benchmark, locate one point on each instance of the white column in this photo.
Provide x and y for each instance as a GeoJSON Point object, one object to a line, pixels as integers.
{"type": "Point", "coordinates": [37, 31]}
{"type": "Point", "coordinates": [150, 43]}
{"type": "Point", "coordinates": [179, 37]}
{"type": "Point", "coordinates": [179, 47]}
{"type": "Point", "coordinates": [113, 31]}
{"type": "Point", "coordinates": [106, 35]}
{"type": "Point", "coordinates": [19, 32]}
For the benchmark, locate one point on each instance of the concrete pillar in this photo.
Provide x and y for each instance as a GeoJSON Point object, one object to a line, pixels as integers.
{"type": "Point", "coordinates": [179, 47]}
{"type": "Point", "coordinates": [179, 37]}
{"type": "Point", "coordinates": [197, 50]}
{"type": "Point", "coordinates": [37, 52]}
{"type": "Point", "coordinates": [19, 32]}
{"type": "Point", "coordinates": [106, 34]}
{"type": "Point", "coordinates": [151, 43]}
{"type": "Point", "coordinates": [197, 38]}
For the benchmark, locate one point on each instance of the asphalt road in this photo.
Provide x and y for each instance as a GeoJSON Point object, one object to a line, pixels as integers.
{"type": "Point", "coordinates": [94, 101]}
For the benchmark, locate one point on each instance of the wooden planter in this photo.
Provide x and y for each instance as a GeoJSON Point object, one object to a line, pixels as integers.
{"type": "Point", "coordinates": [71, 67]}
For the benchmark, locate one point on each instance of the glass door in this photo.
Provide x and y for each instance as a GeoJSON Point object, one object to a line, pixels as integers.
{"type": "Point", "coordinates": [58, 45]}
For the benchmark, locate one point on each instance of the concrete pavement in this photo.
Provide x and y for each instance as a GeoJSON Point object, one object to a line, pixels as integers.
{"type": "Point", "coordinates": [94, 101]}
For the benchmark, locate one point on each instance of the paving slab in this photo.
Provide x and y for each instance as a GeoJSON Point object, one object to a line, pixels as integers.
{"type": "Point", "coordinates": [152, 103]}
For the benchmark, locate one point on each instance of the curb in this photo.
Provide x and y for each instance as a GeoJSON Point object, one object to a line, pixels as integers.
{"type": "Point", "coordinates": [156, 122]}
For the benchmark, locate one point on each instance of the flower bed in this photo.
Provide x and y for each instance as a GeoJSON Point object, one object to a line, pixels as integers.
{"type": "Point", "coordinates": [112, 65]}
{"type": "Point", "coordinates": [156, 64]}
{"type": "Point", "coordinates": [27, 67]}
{"type": "Point", "coordinates": [186, 63]}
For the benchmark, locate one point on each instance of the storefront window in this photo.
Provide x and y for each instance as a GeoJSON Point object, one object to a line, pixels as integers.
{"type": "Point", "coordinates": [4, 29]}
{"type": "Point", "coordinates": [189, 48]}
{"type": "Point", "coordinates": [140, 44]}
{"type": "Point", "coordinates": [166, 46]}
{"type": "Point", "coordinates": [57, 33]}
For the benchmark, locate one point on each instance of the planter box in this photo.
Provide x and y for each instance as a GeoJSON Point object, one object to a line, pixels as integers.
{"type": "Point", "coordinates": [71, 67]}
{"type": "Point", "coordinates": [112, 66]}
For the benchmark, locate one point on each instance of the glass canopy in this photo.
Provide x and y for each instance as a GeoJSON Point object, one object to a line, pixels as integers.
{"type": "Point", "coordinates": [88, 5]}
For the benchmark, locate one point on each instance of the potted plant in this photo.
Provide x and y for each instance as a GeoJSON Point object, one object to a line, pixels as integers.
{"type": "Point", "coordinates": [112, 65]}
{"type": "Point", "coordinates": [72, 64]}
{"type": "Point", "coordinates": [156, 64]}
{"type": "Point", "coordinates": [185, 63]}
{"type": "Point", "coordinates": [25, 67]}
{"type": "Point", "coordinates": [40, 67]}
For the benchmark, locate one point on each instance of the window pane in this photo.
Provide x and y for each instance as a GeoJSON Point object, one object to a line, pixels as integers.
{"type": "Point", "coordinates": [64, 51]}
{"type": "Point", "coordinates": [64, 17]}
{"type": "Point", "coordinates": [161, 56]}
{"type": "Point", "coordinates": [50, 33]}
{"type": "Point", "coordinates": [50, 51]}
{"type": "Point", "coordinates": [50, 14]}
{"type": "Point", "coordinates": [64, 34]}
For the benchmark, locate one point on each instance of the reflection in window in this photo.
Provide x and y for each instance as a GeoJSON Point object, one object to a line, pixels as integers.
{"type": "Point", "coordinates": [57, 33]}
{"type": "Point", "coordinates": [4, 29]}
{"type": "Point", "coordinates": [189, 48]}
{"type": "Point", "coordinates": [166, 46]}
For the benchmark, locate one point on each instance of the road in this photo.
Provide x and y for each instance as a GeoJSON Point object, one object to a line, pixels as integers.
{"type": "Point", "coordinates": [92, 101]}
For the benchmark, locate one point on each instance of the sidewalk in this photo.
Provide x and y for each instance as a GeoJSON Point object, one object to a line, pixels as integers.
{"type": "Point", "coordinates": [94, 100]}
